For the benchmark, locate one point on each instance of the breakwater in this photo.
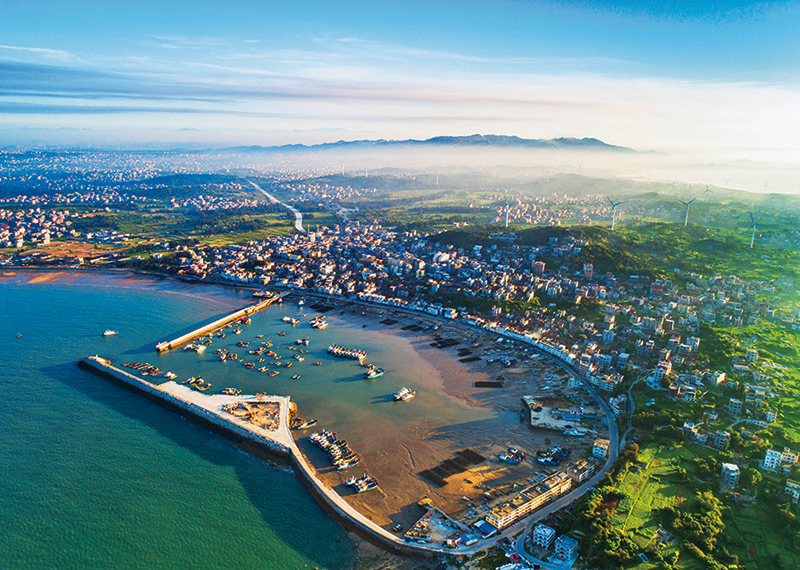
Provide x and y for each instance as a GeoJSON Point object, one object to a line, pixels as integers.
{"type": "Point", "coordinates": [207, 412]}
{"type": "Point", "coordinates": [219, 323]}
{"type": "Point", "coordinates": [183, 401]}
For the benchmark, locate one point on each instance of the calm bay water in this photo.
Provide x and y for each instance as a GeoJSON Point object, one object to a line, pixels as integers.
{"type": "Point", "coordinates": [96, 477]}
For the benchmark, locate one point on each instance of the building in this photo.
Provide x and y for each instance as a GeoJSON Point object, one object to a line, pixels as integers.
{"type": "Point", "coordinates": [772, 460]}
{"type": "Point", "coordinates": [610, 381]}
{"type": "Point", "coordinates": [729, 475]}
{"type": "Point", "coordinates": [719, 439]}
{"type": "Point", "coordinates": [543, 536]}
{"type": "Point", "coordinates": [600, 448]}
{"type": "Point", "coordinates": [775, 459]}
{"type": "Point", "coordinates": [663, 368]}
{"type": "Point", "coordinates": [581, 471]}
{"type": "Point", "coordinates": [793, 490]}
{"type": "Point", "coordinates": [751, 355]}
{"type": "Point", "coordinates": [618, 404]}
{"type": "Point", "coordinates": [770, 415]}
{"type": "Point", "coordinates": [566, 548]}
{"type": "Point", "coordinates": [528, 500]}
{"type": "Point", "coordinates": [735, 406]}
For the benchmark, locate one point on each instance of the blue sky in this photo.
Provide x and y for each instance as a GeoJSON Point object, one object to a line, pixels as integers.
{"type": "Point", "coordinates": [670, 76]}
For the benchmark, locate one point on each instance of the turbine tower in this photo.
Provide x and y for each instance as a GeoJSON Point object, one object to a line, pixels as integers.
{"type": "Point", "coordinates": [613, 213]}
{"type": "Point", "coordinates": [753, 227]}
{"type": "Point", "coordinates": [686, 221]}
{"type": "Point", "coordinates": [706, 193]}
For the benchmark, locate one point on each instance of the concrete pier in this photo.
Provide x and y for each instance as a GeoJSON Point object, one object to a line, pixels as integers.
{"type": "Point", "coordinates": [219, 323]}
{"type": "Point", "coordinates": [207, 411]}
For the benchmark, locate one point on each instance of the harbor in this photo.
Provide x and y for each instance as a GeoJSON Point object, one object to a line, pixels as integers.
{"type": "Point", "coordinates": [397, 342]}
{"type": "Point", "coordinates": [232, 417]}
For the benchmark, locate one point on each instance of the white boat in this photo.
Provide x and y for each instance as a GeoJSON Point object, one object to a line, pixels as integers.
{"type": "Point", "coordinates": [109, 332]}
{"type": "Point", "coordinates": [404, 394]}
{"type": "Point", "coordinates": [575, 432]}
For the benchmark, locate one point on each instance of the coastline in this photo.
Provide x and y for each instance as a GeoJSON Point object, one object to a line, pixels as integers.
{"type": "Point", "coordinates": [399, 462]}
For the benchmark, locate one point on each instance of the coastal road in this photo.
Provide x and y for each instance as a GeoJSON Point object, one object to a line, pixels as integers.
{"type": "Point", "coordinates": [298, 217]}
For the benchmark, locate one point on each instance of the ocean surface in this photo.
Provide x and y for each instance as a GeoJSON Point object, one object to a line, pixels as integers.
{"type": "Point", "coordinates": [94, 476]}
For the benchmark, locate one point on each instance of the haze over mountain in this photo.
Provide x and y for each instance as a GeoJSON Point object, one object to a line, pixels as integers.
{"type": "Point", "coordinates": [494, 141]}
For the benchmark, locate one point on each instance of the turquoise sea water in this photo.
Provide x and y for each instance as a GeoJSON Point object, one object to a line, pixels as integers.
{"type": "Point", "coordinates": [95, 477]}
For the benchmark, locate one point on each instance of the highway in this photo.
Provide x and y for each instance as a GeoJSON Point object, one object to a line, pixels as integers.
{"type": "Point", "coordinates": [298, 217]}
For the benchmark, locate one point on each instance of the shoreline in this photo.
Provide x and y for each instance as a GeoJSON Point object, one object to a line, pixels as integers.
{"type": "Point", "coordinates": [456, 381]}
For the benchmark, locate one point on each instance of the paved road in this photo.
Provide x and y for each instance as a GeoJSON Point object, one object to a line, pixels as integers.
{"type": "Point", "coordinates": [298, 217]}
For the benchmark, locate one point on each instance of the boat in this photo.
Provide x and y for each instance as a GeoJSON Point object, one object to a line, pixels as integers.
{"type": "Point", "coordinates": [318, 363]}
{"type": "Point", "coordinates": [575, 432]}
{"type": "Point", "coordinates": [347, 463]}
{"type": "Point", "coordinates": [198, 348]}
{"type": "Point", "coordinates": [301, 302]}
{"type": "Point", "coordinates": [363, 483]}
{"type": "Point", "coordinates": [513, 456]}
{"type": "Point", "coordinates": [374, 372]}
{"type": "Point", "coordinates": [323, 325]}
{"type": "Point", "coordinates": [299, 423]}
{"type": "Point", "coordinates": [404, 394]}
{"type": "Point", "coordinates": [549, 461]}
{"type": "Point", "coordinates": [170, 375]}
{"type": "Point", "coordinates": [295, 377]}
{"type": "Point", "coordinates": [231, 391]}
{"type": "Point", "coordinates": [107, 332]}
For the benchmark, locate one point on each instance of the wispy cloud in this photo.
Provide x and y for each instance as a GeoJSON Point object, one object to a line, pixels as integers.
{"type": "Point", "coordinates": [47, 53]}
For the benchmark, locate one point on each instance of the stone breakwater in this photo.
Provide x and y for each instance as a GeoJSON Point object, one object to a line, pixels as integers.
{"type": "Point", "coordinates": [202, 409]}
{"type": "Point", "coordinates": [207, 411]}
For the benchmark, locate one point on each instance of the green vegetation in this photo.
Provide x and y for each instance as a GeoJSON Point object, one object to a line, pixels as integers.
{"type": "Point", "coordinates": [654, 250]}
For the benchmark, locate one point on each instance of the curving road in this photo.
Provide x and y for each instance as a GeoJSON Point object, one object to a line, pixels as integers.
{"type": "Point", "coordinates": [298, 217]}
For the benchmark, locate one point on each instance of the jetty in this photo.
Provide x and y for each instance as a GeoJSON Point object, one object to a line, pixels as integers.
{"type": "Point", "coordinates": [219, 323]}
{"type": "Point", "coordinates": [229, 415]}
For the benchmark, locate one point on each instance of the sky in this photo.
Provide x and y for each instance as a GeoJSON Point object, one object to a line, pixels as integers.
{"type": "Point", "coordinates": [713, 78]}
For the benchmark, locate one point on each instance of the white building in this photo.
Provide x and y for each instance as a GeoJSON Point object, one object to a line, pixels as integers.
{"type": "Point", "coordinates": [729, 475]}
{"type": "Point", "coordinates": [775, 459]}
{"type": "Point", "coordinates": [600, 448]}
{"type": "Point", "coordinates": [566, 548]}
{"type": "Point", "coordinates": [543, 536]}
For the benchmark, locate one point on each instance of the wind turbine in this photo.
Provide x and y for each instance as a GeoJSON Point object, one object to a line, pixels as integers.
{"type": "Point", "coordinates": [686, 221]}
{"type": "Point", "coordinates": [706, 193]}
{"type": "Point", "coordinates": [752, 237]}
{"type": "Point", "coordinates": [613, 213]}
{"type": "Point", "coordinates": [766, 186]}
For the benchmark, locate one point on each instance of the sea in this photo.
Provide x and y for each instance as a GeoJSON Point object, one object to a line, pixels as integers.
{"type": "Point", "coordinates": [94, 476]}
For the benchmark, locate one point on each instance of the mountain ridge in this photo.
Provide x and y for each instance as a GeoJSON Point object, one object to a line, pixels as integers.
{"type": "Point", "coordinates": [477, 140]}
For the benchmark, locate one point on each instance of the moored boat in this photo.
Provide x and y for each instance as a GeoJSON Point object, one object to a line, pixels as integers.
{"type": "Point", "coordinates": [404, 394]}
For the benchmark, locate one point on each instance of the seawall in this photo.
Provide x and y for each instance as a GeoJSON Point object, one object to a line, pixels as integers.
{"type": "Point", "coordinates": [236, 433]}
{"type": "Point", "coordinates": [280, 445]}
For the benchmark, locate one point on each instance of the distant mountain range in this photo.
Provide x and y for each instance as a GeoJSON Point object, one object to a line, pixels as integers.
{"type": "Point", "coordinates": [498, 141]}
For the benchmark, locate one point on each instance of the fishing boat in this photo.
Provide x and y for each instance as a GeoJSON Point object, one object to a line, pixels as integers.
{"type": "Point", "coordinates": [404, 394]}
{"type": "Point", "coordinates": [299, 423]}
{"type": "Point", "coordinates": [107, 332]}
{"type": "Point", "coordinates": [513, 456]}
{"type": "Point", "coordinates": [374, 372]}
{"type": "Point", "coordinates": [231, 391]}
